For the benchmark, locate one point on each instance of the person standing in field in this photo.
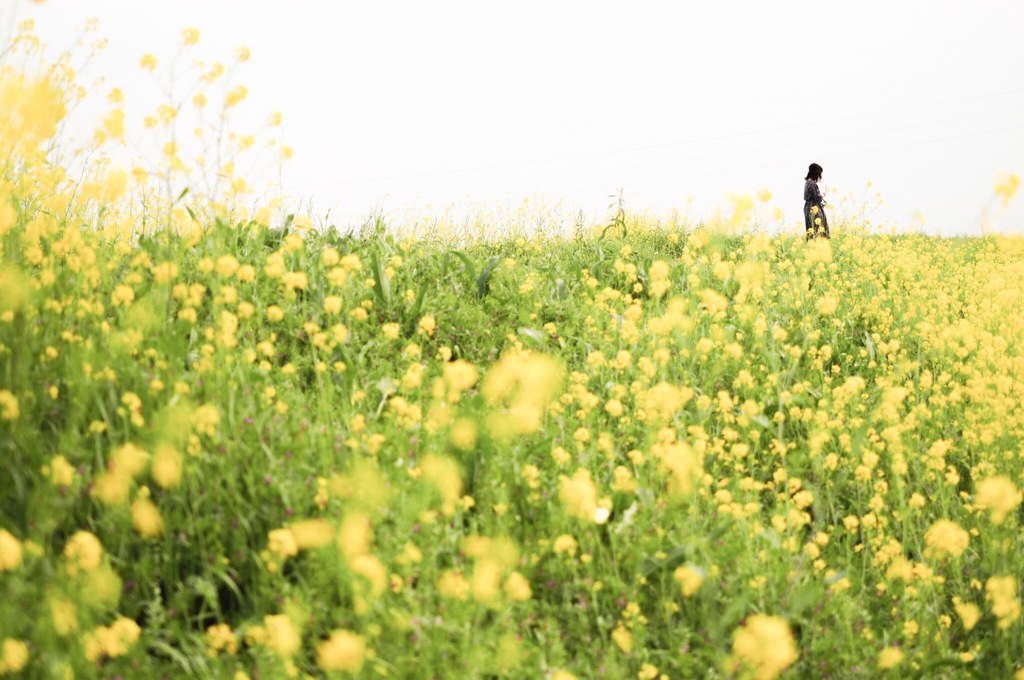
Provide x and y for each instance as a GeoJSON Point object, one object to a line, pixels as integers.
{"type": "Point", "coordinates": [814, 205]}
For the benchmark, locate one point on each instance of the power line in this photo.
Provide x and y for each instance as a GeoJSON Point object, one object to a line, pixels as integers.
{"type": "Point", "coordinates": [685, 142]}
{"type": "Point", "coordinates": [695, 175]}
{"type": "Point", "coordinates": [792, 161]}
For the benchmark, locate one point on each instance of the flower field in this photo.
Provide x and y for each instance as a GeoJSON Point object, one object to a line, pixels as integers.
{"type": "Point", "coordinates": [234, 447]}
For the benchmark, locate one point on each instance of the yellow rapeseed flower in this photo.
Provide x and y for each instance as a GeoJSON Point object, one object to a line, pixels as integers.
{"type": "Point", "coordinates": [146, 518]}
{"type": "Point", "coordinates": [113, 128]}
{"type": "Point", "coordinates": [372, 569]}
{"type": "Point", "coordinates": [220, 638]}
{"type": "Point", "coordinates": [226, 266]}
{"type": "Point", "coordinates": [426, 326]}
{"type": "Point", "coordinates": [165, 272]}
{"type": "Point", "coordinates": [166, 466]}
{"type": "Point", "coordinates": [282, 636]}
{"type": "Point", "coordinates": [453, 585]}
{"type": "Point", "coordinates": [64, 615]}
{"type": "Point", "coordinates": [205, 419]}
{"type": "Point", "coordinates": [517, 587]}
{"type": "Point", "coordinates": [689, 580]}
{"type": "Point", "coordinates": [312, 533]}
{"type": "Point", "coordinates": [1006, 187]}
{"type": "Point", "coordinates": [999, 495]}
{"type": "Point", "coordinates": [765, 645]}
{"type": "Point", "coordinates": [83, 551]}
{"type": "Point", "coordinates": [236, 95]}
{"type": "Point", "coordinates": [1001, 591]}
{"type": "Point", "coordinates": [295, 280]}
{"type": "Point", "coordinates": [13, 656]}
{"type": "Point", "coordinates": [343, 651]}
{"type": "Point", "coordinates": [647, 671]}
{"type": "Point", "coordinates": [32, 109]}
{"type": "Point", "coordinates": [282, 543]}
{"type": "Point", "coordinates": [819, 250]}
{"type": "Point", "coordinates": [355, 535]}
{"type": "Point", "coordinates": [8, 218]}
{"type": "Point", "coordinates": [10, 551]}
{"type": "Point", "coordinates": [968, 612]}
{"type": "Point", "coordinates": [8, 406]}
{"type": "Point", "coordinates": [945, 538]}
{"type": "Point", "coordinates": [445, 475]}
{"type": "Point", "coordinates": [827, 304]}
{"type": "Point", "coordinates": [332, 304]}
{"type": "Point", "coordinates": [578, 494]}
{"type": "Point", "coordinates": [890, 657]}
{"type": "Point", "coordinates": [659, 278]}
{"type": "Point", "coordinates": [623, 639]}
{"type": "Point", "coordinates": [112, 641]}
{"type": "Point", "coordinates": [486, 581]}
{"type": "Point", "coordinates": [565, 544]}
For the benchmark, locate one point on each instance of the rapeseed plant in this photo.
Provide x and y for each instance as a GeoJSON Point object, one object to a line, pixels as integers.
{"type": "Point", "coordinates": [235, 443]}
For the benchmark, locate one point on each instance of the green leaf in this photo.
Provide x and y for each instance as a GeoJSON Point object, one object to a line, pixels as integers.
{"type": "Point", "coordinates": [381, 282]}
{"type": "Point", "coordinates": [804, 598]}
{"type": "Point", "coordinates": [561, 292]}
{"type": "Point", "coordinates": [594, 268]}
{"type": "Point", "coordinates": [417, 306]}
{"type": "Point", "coordinates": [721, 529]}
{"type": "Point", "coordinates": [226, 579]}
{"type": "Point", "coordinates": [205, 589]}
{"type": "Point", "coordinates": [537, 336]}
{"type": "Point", "coordinates": [676, 556]}
{"type": "Point", "coordinates": [926, 671]}
{"type": "Point", "coordinates": [386, 386]}
{"type": "Point", "coordinates": [466, 262]}
{"type": "Point", "coordinates": [761, 420]}
{"type": "Point", "coordinates": [771, 536]}
{"type": "Point", "coordinates": [482, 285]}
{"type": "Point", "coordinates": [175, 655]}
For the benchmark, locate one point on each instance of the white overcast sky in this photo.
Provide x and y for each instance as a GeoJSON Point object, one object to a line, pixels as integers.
{"type": "Point", "coordinates": [393, 104]}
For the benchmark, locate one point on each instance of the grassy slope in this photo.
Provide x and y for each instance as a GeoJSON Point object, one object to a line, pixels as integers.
{"type": "Point", "coordinates": [920, 314]}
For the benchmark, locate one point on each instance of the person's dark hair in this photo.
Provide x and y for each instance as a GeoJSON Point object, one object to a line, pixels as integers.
{"type": "Point", "coordinates": [814, 172]}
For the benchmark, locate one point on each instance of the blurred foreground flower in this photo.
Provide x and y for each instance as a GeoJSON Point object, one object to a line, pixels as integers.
{"type": "Point", "coordinates": [999, 495]}
{"type": "Point", "coordinates": [765, 645]}
{"type": "Point", "coordinates": [13, 656]}
{"type": "Point", "coordinates": [342, 651]}
{"type": "Point", "coordinates": [1006, 187]}
{"type": "Point", "coordinates": [10, 551]}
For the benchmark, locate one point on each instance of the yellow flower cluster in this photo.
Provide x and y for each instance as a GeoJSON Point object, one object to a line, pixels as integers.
{"type": "Point", "coordinates": [707, 425]}
{"type": "Point", "coordinates": [765, 645]}
{"type": "Point", "coordinates": [83, 551]}
{"type": "Point", "coordinates": [13, 656]}
{"type": "Point", "coordinates": [10, 551]}
{"type": "Point", "coordinates": [111, 641]}
{"type": "Point", "coordinates": [343, 651]}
